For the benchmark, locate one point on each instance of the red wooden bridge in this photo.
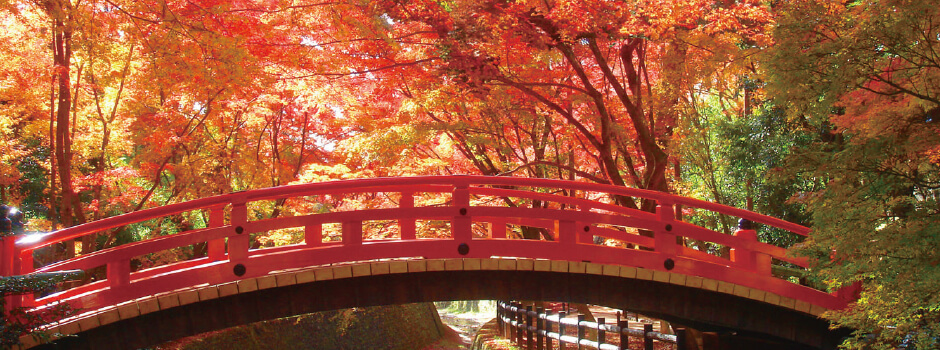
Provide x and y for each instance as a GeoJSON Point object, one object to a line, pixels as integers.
{"type": "Point", "coordinates": [649, 272]}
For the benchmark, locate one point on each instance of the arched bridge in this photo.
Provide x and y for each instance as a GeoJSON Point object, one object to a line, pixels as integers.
{"type": "Point", "coordinates": [470, 251]}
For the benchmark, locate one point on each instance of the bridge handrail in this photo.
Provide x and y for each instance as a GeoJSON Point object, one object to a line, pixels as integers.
{"type": "Point", "coordinates": [389, 185]}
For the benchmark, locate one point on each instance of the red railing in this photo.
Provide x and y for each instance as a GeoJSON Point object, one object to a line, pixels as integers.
{"type": "Point", "coordinates": [573, 220]}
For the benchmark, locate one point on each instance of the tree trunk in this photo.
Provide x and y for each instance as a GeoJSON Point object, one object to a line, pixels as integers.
{"type": "Point", "coordinates": [70, 205]}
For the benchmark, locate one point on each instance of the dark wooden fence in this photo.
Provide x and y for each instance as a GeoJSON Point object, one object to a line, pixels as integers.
{"type": "Point", "coordinates": [540, 329]}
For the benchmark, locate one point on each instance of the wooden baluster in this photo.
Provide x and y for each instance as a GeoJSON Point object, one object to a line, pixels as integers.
{"type": "Point", "coordinates": [561, 330]}
{"type": "Point", "coordinates": [601, 331]}
{"type": "Point", "coordinates": [647, 339]}
{"type": "Point", "coordinates": [119, 273]}
{"type": "Point", "coordinates": [498, 228]}
{"type": "Point", "coordinates": [216, 247]}
{"type": "Point", "coordinates": [407, 224]}
{"type": "Point", "coordinates": [352, 233]}
{"type": "Point", "coordinates": [313, 234]}
{"type": "Point", "coordinates": [566, 232]}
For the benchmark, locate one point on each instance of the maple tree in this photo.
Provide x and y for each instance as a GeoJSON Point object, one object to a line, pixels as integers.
{"type": "Point", "coordinates": [862, 74]}
{"type": "Point", "coordinates": [603, 83]}
{"type": "Point", "coordinates": [117, 106]}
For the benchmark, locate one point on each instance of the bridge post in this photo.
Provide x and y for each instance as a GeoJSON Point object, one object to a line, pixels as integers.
{"type": "Point", "coordinates": [407, 225]}
{"type": "Point", "coordinates": [7, 254]}
{"type": "Point", "coordinates": [461, 223]}
{"type": "Point", "coordinates": [7, 257]}
{"type": "Point", "coordinates": [749, 259]}
{"type": "Point", "coordinates": [24, 266]}
{"type": "Point", "coordinates": [238, 245]}
{"type": "Point", "coordinates": [216, 247]}
{"type": "Point", "coordinates": [665, 237]}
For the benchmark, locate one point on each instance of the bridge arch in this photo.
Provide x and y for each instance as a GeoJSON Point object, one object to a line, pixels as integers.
{"type": "Point", "coordinates": [702, 303]}
{"type": "Point", "coordinates": [477, 213]}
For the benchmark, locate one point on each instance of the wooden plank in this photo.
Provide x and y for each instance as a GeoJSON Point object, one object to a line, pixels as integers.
{"type": "Point", "coordinates": [248, 285]}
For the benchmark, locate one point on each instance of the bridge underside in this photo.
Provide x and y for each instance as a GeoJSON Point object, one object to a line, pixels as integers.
{"type": "Point", "coordinates": [701, 309]}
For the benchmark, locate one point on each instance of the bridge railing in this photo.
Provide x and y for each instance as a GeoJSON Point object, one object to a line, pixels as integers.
{"type": "Point", "coordinates": [479, 211]}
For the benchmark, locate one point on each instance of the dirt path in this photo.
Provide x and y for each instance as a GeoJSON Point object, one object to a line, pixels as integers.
{"type": "Point", "coordinates": [463, 327]}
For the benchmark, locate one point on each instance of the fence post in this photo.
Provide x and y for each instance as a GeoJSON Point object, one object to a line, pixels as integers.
{"type": "Point", "coordinates": [539, 327]}
{"type": "Point", "coordinates": [647, 340]}
{"type": "Point", "coordinates": [561, 330]}
{"type": "Point", "coordinates": [624, 334]}
{"type": "Point", "coordinates": [499, 318]}
{"type": "Point", "coordinates": [548, 329]}
{"type": "Point", "coordinates": [519, 323]}
{"type": "Point", "coordinates": [601, 336]}
{"type": "Point", "coordinates": [511, 320]}
{"type": "Point", "coordinates": [528, 327]}
{"type": "Point", "coordinates": [580, 330]}
{"type": "Point", "coordinates": [681, 339]}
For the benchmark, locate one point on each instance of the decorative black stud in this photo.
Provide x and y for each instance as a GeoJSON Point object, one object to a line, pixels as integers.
{"type": "Point", "coordinates": [668, 227]}
{"type": "Point", "coordinates": [587, 228]}
{"type": "Point", "coordinates": [239, 270]}
{"type": "Point", "coordinates": [239, 230]}
{"type": "Point", "coordinates": [463, 249]}
{"type": "Point", "coordinates": [463, 211]}
{"type": "Point", "coordinates": [669, 264]}
{"type": "Point", "coordinates": [745, 224]}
